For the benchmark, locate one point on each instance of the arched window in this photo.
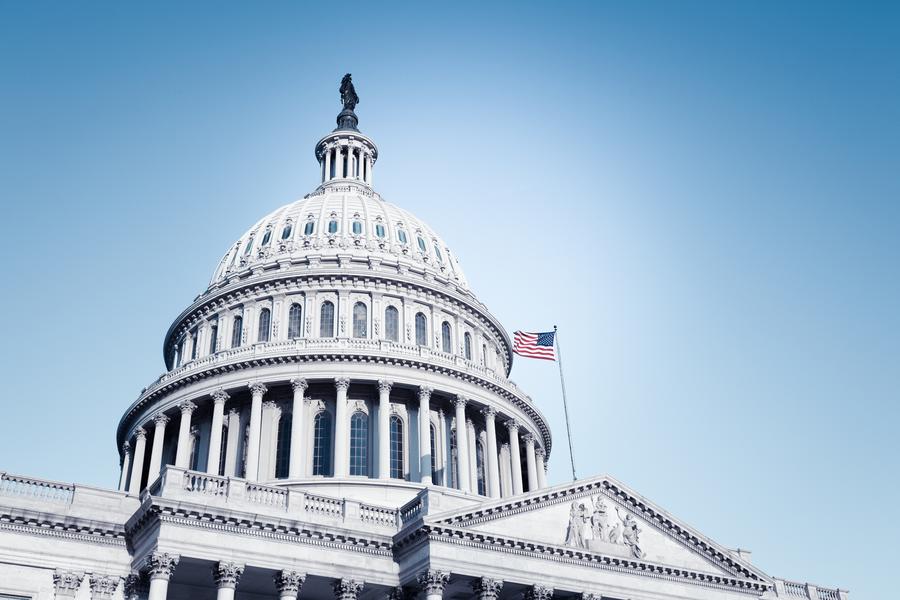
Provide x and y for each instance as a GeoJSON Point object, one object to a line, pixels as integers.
{"type": "Point", "coordinates": [434, 468]}
{"type": "Point", "coordinates": [421, 334]}
{"type": "Point", "coordinates": [309, 228]}
{"type": "Point", "coordinates": [267, 237]}
{"type": "Point", "coordinates": [213, 336]}
{"type": "Point", "coordinates": [237, 331]}
{"type": "Point", "coordinates": [437, 252]}
{"type": "Point", "coordinates": [360, 320]}
{"type": "Point", "coordinates": [392, 324]}
{"type": "Point", "coordinates": [332, 226]}
{"type": "Point", "coordinates": [401, 236]}
{"type": "Point", "coordinates": [322, 444]}
{"type": "Point", "coordinates": [249, 246]}
{"type": "Point", "coordinates": [326, 320]}
{"type": "Point", "coordinates": [265, 322]}
{"type": "Point", "coordinates": [397, 470]}
{"type": "Point", "coordinates": [467, 343]}
{"type": "Point", "coordinates": [479, 467]}
{"type": "Point", "coordinates": [288, 229]}
{"type": "Point", "coordinates": [357, 227]}
{"type": "Point", "coordinates": [422, 246]}
{"type": "Point", "coordinates": [283, 447]}
{"type": "Point", "coordinates": [379, 230]}
{"type": "Point", "coordinates": [446, 342]}
{"type": "Point", "coordinates": [359, 443]}
{"type": "Point", "coordinates": [295, 321]}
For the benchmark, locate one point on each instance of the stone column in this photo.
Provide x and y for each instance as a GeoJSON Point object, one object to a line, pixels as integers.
{"type": "Point", "coordinates": [505, 476]}
{"type": "Point", "coordinates": [493, 469]}
{"type": "Point", "coordinates": [257, 390]}
{"type": "Point", "coordinates": [227, 575]}
{"type": "Point", "coordinates": [347, 589]}
{"type": "Point", "coordinates": [433, 583]}
{"type": "Point", "coordinates": [183, 455]}
{"type": "Point", "coordinates": [103, 587]}
{"type": "Point", "coordinates": [338, 162]}
{"type": "Point", "coordinates": [268, 433]}
{"type": "Point", "coordinates": [515, 457]}
{"type": "Point", "coordinates": [215, 433]}
{"type": "Point", "coordinates": [462, 445]}
{"type": "Point", "coordinates": [530, 461]}
{"type": "Point", "coordinates": [298, 425]}
{"type": "Point", "coordinates": [425, 457]}
{"type": "Point", "coordinates": [289, 584]}
{"type": "Point", "coordinates": [487, 588]}
{"type": "Point", "coordinates": [231, 446]}
{"type": "Point", "coordinates": [384, 428]}
{"type": "Point", "coordinates": [137, 470]}
{"type": "Point", "coordinates": [160, 566]}
{"type": "Point", "coordinates": [341, 429]}
{"type": "Point", "coordinates": [441, 445]}
{"type": "Point", "coordinates": [538, 592]}
{"type": "Point", "coordinates": [327, 165]}
{"type": "Point", "coordinates": [541, 468]}
{"type": "Point", "coordinates": [472, 437]}
{"type": "Point", "coordinates": [126, 462]}
{"type": "Point", "coordinates": [159, 434]}
{"type": "Point", "coordinates": [66, 583]}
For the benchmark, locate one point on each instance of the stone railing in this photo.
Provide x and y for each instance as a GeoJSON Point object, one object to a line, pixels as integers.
{"type": "Point", "coordinates": [230, 492]}
{"type": "Point", "coordinates": [808, 591]}
{"type": "Point", "coordinates": [36, 489]}
{"type": "Point", "coordinates": [308, 346]}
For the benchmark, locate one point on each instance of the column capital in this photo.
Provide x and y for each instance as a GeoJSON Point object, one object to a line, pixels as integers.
{"type": "Point", "coordinates": [140, 434]}
{"type": "Point", "coordinates": [460, 400]}
{"type": "Point", "coordinates": [187, 407]}
{"type": "Point", "coordinates": [126, 447]}
{"type": "Point", "coordinates": [161, 565]}
{"type": "Point", "coordinates": [220, 395]}
{"type": "Point", "coordinates": [590, 596]}
{"type": "Point", "coordinates": [227, 574]}
{"type": "Point", "coordinates": [540, 451]}
{"type": "Point", "coordinates": [347, 589]}
{"type": "Point", "coordinates": [289, 583]}
{"type": "Point", "coordinates": [299, 384]}
{"type": "Point", "coordinates": [433, 582]}
{"type": "Point", "coordinates": [489, 412]}
{"type": "Point", "coordinates": [512, 425]}
{"type": "Point", "coordinates": [528, 438]}
{"type": "Point", "coordinates": [539, 592]}
{"type": "Point", "coordinates": [385, 385]}
{"type": "Point", "coordinates": [234, 412]}
{"type": "Point", "coordinates": [257, 388]}
{"type": "Point", "coordinates": [504, 446]}
{"type": "Point", "coordinates": [160, 420]}
{"type": "Point", "coordinates": [270, 405]}
{"type": "Point", "coordinates": [136, 586]}
{"type": "Point", "coordinates": [400, 593]}
{"type": "Point", "coordinates": [342, 384]}
{"type": "Point", "coordinates": [66, 583]}
{"type": "Point", "coordinates": [103, 587]}
{"type": "Point", "coordinates": [487, 588]}
{"type": "Point", "coordinates": [425, 392]}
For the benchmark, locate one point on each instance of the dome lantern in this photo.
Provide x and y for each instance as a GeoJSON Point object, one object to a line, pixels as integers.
{"type": "Point", "coordinates": [345, 153]}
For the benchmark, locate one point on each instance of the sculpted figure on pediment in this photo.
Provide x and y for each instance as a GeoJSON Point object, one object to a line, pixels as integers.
{"type": "Point", "coordinates": [600, 520]}
{"type": "Point", "coordinates": [577, 521]}
{"type": "Point", "coordinates": [630, 535]}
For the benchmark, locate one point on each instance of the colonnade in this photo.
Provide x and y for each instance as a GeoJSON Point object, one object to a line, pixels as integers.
{"type": "Point", "coordinates": [347, 160]}
{"type": "Point", "coordinates": [501, 464]}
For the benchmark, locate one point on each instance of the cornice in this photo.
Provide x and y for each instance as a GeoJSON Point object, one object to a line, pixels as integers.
{"type": "Point", "coordinates": [347, 355]}
{"type": "Point", "coordinates": [241, 523]}
{"type": "Point", "coordinates": [43, 524]}
{"type": "Point", "coordinates": [560, 554]}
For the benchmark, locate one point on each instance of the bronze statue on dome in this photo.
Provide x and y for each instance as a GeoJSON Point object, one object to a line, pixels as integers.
{"type": "Point", "coordinates": [348, 93]}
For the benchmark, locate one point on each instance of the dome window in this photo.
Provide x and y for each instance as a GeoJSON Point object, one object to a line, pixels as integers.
{"type": "Point", "coordinates": [422, 245]}
{"type": "Point", "coordinates": [249, 247]}
{"type": "Point", "coordinates": [357, 227]}
{"type": "Point", "coordinates": [437, 252]}
{"type": "Point", "coordinates": [310, 227]}
{"type": "Point", "coordinates": [379, 230]}
{"type": "Point", "coordinates": [267, 237]}
{"type": "Point", "coordinates": [332, 226]}
{"type": "Point", "coordinates": [401, 236]}
{"type": "Point", "coordinates": [288, 229]}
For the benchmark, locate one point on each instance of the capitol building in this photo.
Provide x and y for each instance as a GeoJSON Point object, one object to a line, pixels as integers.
{"type": "Point", "coordinates": [336, 421]}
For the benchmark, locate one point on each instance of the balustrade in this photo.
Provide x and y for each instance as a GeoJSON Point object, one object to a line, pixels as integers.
{"type": "Point", "coordinates": [37, 489]}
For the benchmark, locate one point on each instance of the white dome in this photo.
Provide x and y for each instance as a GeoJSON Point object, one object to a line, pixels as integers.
{"type": "Point", "coordinates": [341, 220]}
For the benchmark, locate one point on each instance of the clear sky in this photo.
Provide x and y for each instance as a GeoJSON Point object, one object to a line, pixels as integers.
{"type": "Point", "coordinates": [703, 196]}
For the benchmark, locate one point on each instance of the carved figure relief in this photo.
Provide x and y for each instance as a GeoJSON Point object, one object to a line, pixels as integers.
{"type": "Point", "coordinates": [592, 526]}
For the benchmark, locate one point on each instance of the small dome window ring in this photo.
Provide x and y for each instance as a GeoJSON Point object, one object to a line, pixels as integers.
{"type": "Point", "coordinates": [357, 227]}
{"type": "Point", "coordinates": [437, 252]}
{"type": "Point", "coordinates": [249, 247]}
{"type": "Point", "coordinates": [379, 230]}
{"type": "Point", "coordinates": [288, 230]}
{"type": "Point", "coordinates": [309, 228]}
{"type": "Point", "coordinates": [267, 237]}
{"type": "Point", "coordinates": [332, 226]}
{"type": "Point", "coordinates": [422, 247]}
{"type": "Point", "coordinates": [401, 237]}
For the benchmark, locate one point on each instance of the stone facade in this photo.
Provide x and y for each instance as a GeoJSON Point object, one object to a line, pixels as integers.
{"type": "Point", "coordinates": [336, 421]}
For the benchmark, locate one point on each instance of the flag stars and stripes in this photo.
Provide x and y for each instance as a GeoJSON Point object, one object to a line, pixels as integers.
{"type": "Point", "coordinates": [535, 345]}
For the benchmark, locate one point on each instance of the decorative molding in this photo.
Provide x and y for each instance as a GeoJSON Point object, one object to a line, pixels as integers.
{"type": "Point", "coordinates": [66, 583]}
{"type": "Point", "coordinates": [103, 587]}
{"type": "Point", "coordinates": [433, 582]}
{"type": "Point", "coordinates": [289, 583]}
{"type": "Point", "coordinates": [487, 588]}
{"type": "Point", "coordinates": [227, 574]}
{"type": "Point", "coordinates": [347, 589]}
{"type": "Point", "coordinates": [161, 565]}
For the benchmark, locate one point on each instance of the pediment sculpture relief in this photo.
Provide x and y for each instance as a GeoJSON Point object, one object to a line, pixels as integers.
{"type": "Point", "coordinates": [592, 526]}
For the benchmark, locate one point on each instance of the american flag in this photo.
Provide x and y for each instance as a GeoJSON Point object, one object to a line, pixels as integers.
{"type": "Point", "coordinates": [535, 345]}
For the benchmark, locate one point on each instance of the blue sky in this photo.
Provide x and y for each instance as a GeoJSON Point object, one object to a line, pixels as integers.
{"type": "Point", "coordinates": [703, 196]}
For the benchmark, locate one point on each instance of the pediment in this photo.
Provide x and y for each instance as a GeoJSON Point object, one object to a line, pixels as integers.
{"type": "Point", "coordinates": [601, 516]}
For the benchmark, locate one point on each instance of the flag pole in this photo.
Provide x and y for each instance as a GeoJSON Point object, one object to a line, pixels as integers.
{"type": "Point", "coordinates": [562, 382]}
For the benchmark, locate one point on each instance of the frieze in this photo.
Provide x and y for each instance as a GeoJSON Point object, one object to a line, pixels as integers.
{"type": "Point", "coordinates": [591, 526]}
